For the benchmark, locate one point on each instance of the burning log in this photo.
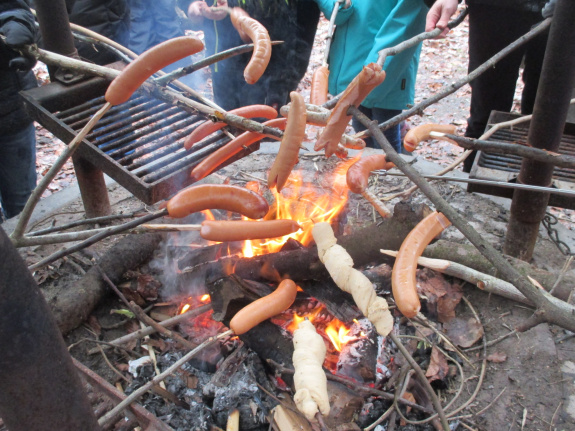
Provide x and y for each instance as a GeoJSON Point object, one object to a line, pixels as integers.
{"type": "Point", "coordinates": [304, 264]}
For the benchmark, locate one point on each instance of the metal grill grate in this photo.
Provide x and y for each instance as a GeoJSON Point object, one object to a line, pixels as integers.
{"type": "Point", "coordinates": [139, 144]}
{"type": "Point", "coordinates": [503, 167]}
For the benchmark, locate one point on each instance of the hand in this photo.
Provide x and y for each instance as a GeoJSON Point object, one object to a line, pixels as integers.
{"type": "Point", "coordinates": [195, 11]}
{"type": "Point", "coordinates": [439, 14]}
{"type": "Point", "coordinates": [549, 9]}
{"type": "Point", "coordinates": [215, 13]}
{"type": "Point", "coordinates": [17, 35]}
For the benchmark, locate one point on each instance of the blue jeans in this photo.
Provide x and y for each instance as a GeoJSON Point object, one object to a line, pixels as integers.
{"type": "Point", "coordinates": [17, 169]}
{"type": "Point", "coordinates": [380, 115]}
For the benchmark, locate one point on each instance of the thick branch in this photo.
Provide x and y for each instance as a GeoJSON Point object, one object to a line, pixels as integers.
{"type": "Point", "coordinates": [465, 80]}
{"type": "Point", "coordinates": [560, 160]}
{"type": "Point", "coordinates": [557, 312]}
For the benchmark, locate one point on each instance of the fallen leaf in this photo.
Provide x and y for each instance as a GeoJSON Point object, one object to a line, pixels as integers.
{"type": "Point", "coordinates": [463, 333]}
{"type": "Point", "coordinates": [438, 368]}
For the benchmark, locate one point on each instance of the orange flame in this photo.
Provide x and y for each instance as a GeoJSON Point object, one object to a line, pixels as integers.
{"type": "Point", "coordinates": [300, 202]}
{"type": "Point", "coordinates": [205, 298]}
{"type": "Point", "coordinates": [336, 330]}
{"type": "Point", "coordinates": [185, 308]}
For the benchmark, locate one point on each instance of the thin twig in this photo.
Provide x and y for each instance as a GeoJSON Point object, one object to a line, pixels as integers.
{"type": "Point", "coordinates": [112, 414]}
{"type": "Point", "coordinates": [98, 237]}
{"type": "Point", "coordinates": [421, 375]}
{"type": "Point", "coordinates": [141, 333]}
{"type": "Point", "coordinates": [452, 88]}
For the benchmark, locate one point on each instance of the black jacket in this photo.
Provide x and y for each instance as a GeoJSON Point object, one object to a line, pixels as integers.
{"type": "Point", "coordinates": [110, 18]}
{"type": "Point", "coordinates": [522, 5]}
{"type": "Point", "coordinates": [13, 116]}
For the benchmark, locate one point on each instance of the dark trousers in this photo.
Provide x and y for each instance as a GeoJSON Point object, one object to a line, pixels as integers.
{"type": "Point", "coordinates": [17, 170]}
{"type": "Point", "coordinates": [381, 115]}
{"type": "Point", "coordinates": [491, 29]}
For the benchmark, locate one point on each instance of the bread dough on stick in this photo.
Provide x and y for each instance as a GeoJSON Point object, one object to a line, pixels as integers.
{"type": "Point", "coordinates": [339, 264]}
{"type": "Point", "coordinates": [309, 378]}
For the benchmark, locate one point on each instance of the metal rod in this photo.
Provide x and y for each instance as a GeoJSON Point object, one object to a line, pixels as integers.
{"type": "Point", "coordinates": [540, 189]}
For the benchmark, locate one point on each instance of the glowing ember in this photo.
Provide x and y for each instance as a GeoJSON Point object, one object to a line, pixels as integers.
{"type": "Point", "coordinates": [205, 299]}
{"type": "Point", "coordinates": [301, 202]}
{"type": "Point", "coordinates": [185, 308]}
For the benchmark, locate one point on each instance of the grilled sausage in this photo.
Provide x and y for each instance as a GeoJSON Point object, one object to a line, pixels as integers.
{"type": "Point", "coordinates": [357, 175]}
{"type": "Point", "coordinates": [207, 166]}
{"type": "Point", "coordinates": [403, 282]}
{"type": "Point", "coordinates": [152, 60]}
{"type": "Point", "coordinates": [319, 84]}
{"type": "Point", "coordinates": [421, 133]}
{"type": "Point", "coordinates": [242, 230]}
{"type": "Point", "coordinates": [294, 135]}
{"type": "Point", "coordinates": [357, 90]}
{"type": "Point", "coordinates": [264, 308]}
{"type": "Point", "coordinates": [262, 44]}
{"type": "Point", "coordinates": [209, 127]}
{"type": "Point", "coordinates": [217, 196]}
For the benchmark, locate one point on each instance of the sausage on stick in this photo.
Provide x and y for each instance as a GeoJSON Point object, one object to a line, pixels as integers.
{"type": "Point", "coordinates": [319, 84]}
{"type": "Point", "coordinates": [294, 135]}
{"type": "Point", "coordinates": [215, 159]}
{"type": "Point", "coordinates": [262, 52]}
{"type": "Point", "coordinates": [422, 133]}
{"type": "Point", "coordinates": [370, 77]}
{"type": "Point", "coordinates": [264, 308]}
{"type": "Point", "coordinates": [403, 282]}
{"type": "Point", "coordinates": [358, 174]}
{"type": "Point", "coordinates": [242, 230]}
{"type": "Point", "coordinates": [209, 127]}
{"type": "Point", "coordinates": [148, 63]}
{"type": "Point", "coordinates": [217, 196]}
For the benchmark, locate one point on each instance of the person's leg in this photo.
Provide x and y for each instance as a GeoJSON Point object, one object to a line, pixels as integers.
{"type": "Point", "coordinates": [380, 115]}
{"type": "Point", "coordinates": [17, 170]}
{"type": "Point", "coordinates": [491, 29]}
{"type": "Point", "coordinates": [534, 53]}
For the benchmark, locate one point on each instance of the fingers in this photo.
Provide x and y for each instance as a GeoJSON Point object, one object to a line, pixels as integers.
{"type": "Point", "coordinates": [439, 15]}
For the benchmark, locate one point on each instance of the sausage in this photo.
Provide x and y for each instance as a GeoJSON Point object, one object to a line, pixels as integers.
{"type": "Point", "coordinates": [242, 230]}
{"type": "Point", "coordinates": [235, 14]}
{"type": "Point", "coordinates": [357, 90]}
{"type": "Point", "coordinates": [352, 142]}
{"type": "Point", "coordinates": [358, 173]}
{"type": "Point", "coordinates": [421, 133]}
{"type": "Point", "coordinates": [215, 159]}
{"type": "Point", "coordinates": [144, 66]}
{"type": "Point", "coordinates": [403, 283]}
{"type": "Point", "coordinates": [262, 44]}
{"type": "Point", "coordinates": [209, 127]}
{"type": "Point", "coordinates": [217, 196]}
{"type": "Point", "coordinates": [294, 135]}
{"type": "Point", "coordinates": [264, 308]}
{"type": "Point", "coordinates": [319, 84]}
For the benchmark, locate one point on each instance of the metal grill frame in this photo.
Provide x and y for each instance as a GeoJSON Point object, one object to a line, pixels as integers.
{"type": "Point", "coordinates": [483, 166]}
{"type": "Point", "coordinates": [43, 102]}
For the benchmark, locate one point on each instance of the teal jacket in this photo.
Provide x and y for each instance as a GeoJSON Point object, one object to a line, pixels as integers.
{"type": "Point", "coordinates": [364, 29]}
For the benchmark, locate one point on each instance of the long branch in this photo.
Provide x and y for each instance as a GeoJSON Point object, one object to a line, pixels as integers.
{"type": "Point", "coordinates": [452, 88]}
{"type": "Point", "coordinates": [548, 309]}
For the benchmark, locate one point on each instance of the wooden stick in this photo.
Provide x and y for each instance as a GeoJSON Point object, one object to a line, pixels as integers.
{"type": "Point", "coordinates": [233, 421]}
{"type": "Point", "coordinates": [150, 330]}
{"type": "Point", "coordinates": [379, 206]}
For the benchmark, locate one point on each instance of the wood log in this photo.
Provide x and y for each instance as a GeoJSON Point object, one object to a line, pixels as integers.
{"type": "Point", "coordinates": [467, 254]}
{"type": "Point", "coordinates": [74, 304]}
{"type": "Point", "coordinates": [363, 246]}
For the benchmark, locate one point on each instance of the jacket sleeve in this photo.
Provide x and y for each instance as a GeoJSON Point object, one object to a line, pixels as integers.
{"type": "Point", "coordinates": [326, 6]}
{"type": "Point", "coordinates": [17, 10]}
{"type": "Point", "coordinates": [407, 19]}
